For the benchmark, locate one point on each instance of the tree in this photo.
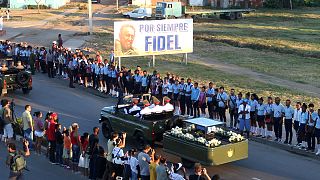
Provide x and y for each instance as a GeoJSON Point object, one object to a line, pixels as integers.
{"type": "Point", "coordinates": [38, 4]}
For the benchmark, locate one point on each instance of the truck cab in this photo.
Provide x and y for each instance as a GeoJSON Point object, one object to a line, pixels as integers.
{"type": "Point", "coordinates": [139, 13]}
{"type": "Point", "coordinates": [169, 10]}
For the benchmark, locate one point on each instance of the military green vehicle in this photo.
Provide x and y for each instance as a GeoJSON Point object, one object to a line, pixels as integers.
{"type": "Point", "coordinates": [147, 129]}
{"type": "Point", "coordinates": [206, 141]}
{"type": "Point", "coordinates": [14, 77]}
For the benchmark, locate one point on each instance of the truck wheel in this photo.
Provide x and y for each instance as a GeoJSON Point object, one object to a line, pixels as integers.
{"type": "Point", "coordinates": [25, 90]}
{"type": "Point", "coordinates": [145, 18]}
{"type": "Point", "coordinates": [23, 78]}
{"type": "Point", "coordinates": [231, 16]}
{"type": "Point", "coordinates": [187, 163]}
{"type": "Point", "coordinates": [238, 15]}
{"type": "Point", "coordinates": [139, 138]}
{"type": "Point", "coordinates": [222, 16]}
{"type": "Point", "coordinates": [106, 129]}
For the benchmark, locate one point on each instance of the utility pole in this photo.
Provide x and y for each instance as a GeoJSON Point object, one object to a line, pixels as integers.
{"type": "Point", "coordinates": [90, 16]}
{"type": "Point", "coordinates": [117, 5]}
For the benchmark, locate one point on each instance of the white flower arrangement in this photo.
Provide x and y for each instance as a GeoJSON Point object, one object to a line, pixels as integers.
{"type": "Point", "coordinates": [234, 137]}
{"type": "Point", "coordinates": [213, 143]}
{"type": "Point", "coordinates": [217, 130]}
{"type": "Point", "coordinates": [201, 140]}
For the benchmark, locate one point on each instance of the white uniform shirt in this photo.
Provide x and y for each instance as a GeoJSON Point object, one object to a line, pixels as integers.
{"type": "Point", "coordinates": [168, 107]}
{"type": "Point", "coordinates": [157, 109]}
{"type": "Point", "coordinates": [297, 114]}
{"type": "Point", "coordinates": [304, 117]}
{"type": "Point", "coordinates": [146, 110]}
{"type": "Point", "coordinates": [241, 108]}
{"type": "Point", "coordinates": [133, 164]}
{"type": "Point", "coordinates": [134, 108]}
{"type": "Point", "coordinates": [288, 112]}
{"type": "Point", "coordinates": [317, 119]}
{"type": "Point", "coordinates": [277, 110]}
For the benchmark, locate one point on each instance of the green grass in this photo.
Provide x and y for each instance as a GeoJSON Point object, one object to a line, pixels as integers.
{"type": "Point", "coordinates": [291, 67]}
{"type": "Point", "coordinates": [294, 32]}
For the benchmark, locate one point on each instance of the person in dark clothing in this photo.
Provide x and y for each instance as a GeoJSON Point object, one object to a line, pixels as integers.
{"type": "Point", "coordinates": [120, 86]}
{"type": "Point", "coordinates": [59, 144]}
{"type": "Point", "coordinates": [100, 164]}
{"type": "Point", "coordinates": [93, 152]}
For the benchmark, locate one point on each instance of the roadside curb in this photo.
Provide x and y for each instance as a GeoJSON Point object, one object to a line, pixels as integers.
{"type": "Point", "coordinates": [285, 147]}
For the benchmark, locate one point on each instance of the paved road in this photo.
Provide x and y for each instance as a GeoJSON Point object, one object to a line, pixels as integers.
{"type": "Point", "coordinates": [264, 162]}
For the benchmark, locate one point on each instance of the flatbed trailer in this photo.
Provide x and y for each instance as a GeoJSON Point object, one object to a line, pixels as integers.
{"type": "Point", "coordinates": [230, 14]}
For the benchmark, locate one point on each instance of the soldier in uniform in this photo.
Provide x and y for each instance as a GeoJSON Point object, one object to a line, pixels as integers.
{"type": "Point", "coordinates": [155, 107]}
{"type": "Point", "coordinates": [146, 110]}
{"type": "Point", "coordinates": [168, 106]}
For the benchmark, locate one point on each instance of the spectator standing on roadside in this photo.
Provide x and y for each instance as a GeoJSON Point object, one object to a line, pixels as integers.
{"type": "Point", "coordinates": [50, 63]}
{"type": "Point", "coordinates": [253, 102]}
{"type": "Point", "coordinates": [296, 119]}
{"type": "Point", "coordinates": [111, 145]}
{"type": "Point", "coordinates": [67, 153]}
{"type": "Point", "coordinates": [28, 124]}
{"type": "Point", "coordinates": [239, 101]}
{"type": "Point", "coordinates": [162, 170]}
{"type": "Point", "coordinates": [232, 103]}
{"type": "Point", "coordinates": [93, 151]}
{"type": "Point", "coordinates": [269, 118]}
{"type": "Point", "coordinates": [100, 165]}
{"type": "Point", "coordinates": [84, 157]}
{"type": "Point", "coordinates": [38, 131]}
{"type": "Point", "coordinates": [7, 121]}
{"type": "Point", "coordinates": [195, 94]}
{"type": "Point", "coordinates": [134, 164]}
{"type": "Point", "coordinates": [288, 114]}
{"type": "Point", "coordinates": [10, 161]}
{"type": "Point", "coordinates": [182, 97]}
{"type": "Point", "coordinates": [117, 159]}
{"type": "Point", "coordinates": [153, 166]}
{"type": "Point", "coordinates": [311, 140]}
{"type": "Point", "coordinates": [317, 132]}
{"type": "Point", "coordinates": [302, 127]}
{"type": "Point", "coordinates": [202, 101]}
{"type": "Point", "coordinates": [144, 160]}
{"type": "Point", "coordinates": [52, 138]}
{"type": "Point", "coordinates": [244, 117]}
{"type": "Point", "coordinates": [261, 116]}
{"type": "Point", "coordinates": [278, 111]}
{"type": "Point", "coordinates": [59, 144]}
{"type": "Point", "coordinates": [222, 99]}
{"type": "Point", "coordinates": [199, 173]}
{"type": "Point", "coordinates": [60, 41]}
{"type": "Point", "coordinates": [187, 91]}
{"type": "Point", "coordinates": [76, 145]}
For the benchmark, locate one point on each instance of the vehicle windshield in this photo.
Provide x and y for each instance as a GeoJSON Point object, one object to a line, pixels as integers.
{"type": "Point", "coordinates": [135, 11]}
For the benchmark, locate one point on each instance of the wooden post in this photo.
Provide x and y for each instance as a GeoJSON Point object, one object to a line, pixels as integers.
{"type": "Point", "coordinates": [153, 60]}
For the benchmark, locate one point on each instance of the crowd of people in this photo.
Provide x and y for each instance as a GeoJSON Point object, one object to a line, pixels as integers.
{"type": "Point", "coordinates": [85, 154]}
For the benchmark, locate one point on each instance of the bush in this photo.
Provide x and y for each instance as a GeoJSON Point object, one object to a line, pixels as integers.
{"type": "Point", "coordinates": [312, 3]}
{"type": "Point", "coordinates": [272, 4]}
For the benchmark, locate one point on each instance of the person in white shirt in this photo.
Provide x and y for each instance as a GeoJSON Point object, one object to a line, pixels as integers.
{"type": "Point", "coordinates": [168, 106]}
{"type": "Point", "coordinates": [244, 117]}
{"type": "Point", "coordinates": [117, 158]}
{"type": "Point", "coordinates": [304, 117]}
{"type": "Point", "coordinates": [146, 110]}
{"type": "Point", "coordinates": [296, 119]}
{"type": "Point", "coordinates": [311, 140]}
{"type": "Point", "coordinates": [133, 165]}
{"type": "Point", "coordinates": [261, 116]}
{"type": "Point", "coordinates": [317, 132]}
{"type": "Point", "coordinates": [288, 114]}
{"type": "Point", "coordinates": [155, 107]}
{"type": "Point", "coordinates": [135, 108]}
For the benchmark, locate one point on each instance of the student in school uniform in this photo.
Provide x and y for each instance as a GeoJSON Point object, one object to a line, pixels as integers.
{"type": "Point", "coordinates": [182, 97]}
{"type": "Point", "coordinates": [288, 114]}
{"type": "Point", "coordinates": [261, 116]}
{"type": "Point", "coordinates": [232, 103]}
{"type": "Point", "coordinates": [311, 140]}
{"type": "Point", "coordinates": [195, 94]}
{"type": "Point", "coordinates": [244, 116]}
{"type": "Point", "coordinates": [317, 132]}
{"type": "Point", "coordinates": [187, 92]}
{"type": "Point", "coordinates": [302, 127]}
{"type": "Point", "coordinates": [269, 118]}
{"type": "Point", "coordinates": [114, 74]}
{"type": "Point", "coordinates": [222, 99]}
{"type": "Point", "coordinates": [202, 101]}
{"type": "Point", "coordinates": [210, 94]}
{"type": "Point", "coordinates": [144, 82]}
{"type": "Point", "coordinates": [253, 102]}
{"type": "Point", "coordinates": [105, 76]}
{"type": "Point", "coordinates": [296, 119]}
{"type": "Point", "coordinates": [278, 110]}
{"type": "Point", "coordinates": [239, 101]}
{"type": "Point", "coordinates": [176, 93]}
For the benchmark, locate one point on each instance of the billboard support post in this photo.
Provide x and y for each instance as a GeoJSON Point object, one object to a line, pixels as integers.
{"type": "Point", "coordinates": [119, 63]}
{"type": "Point", "coordinates": [153, 60]}
{"type": "Point", "coordinates": [186, 58]}
{"type": "Point", "coordinates": [90, 16]}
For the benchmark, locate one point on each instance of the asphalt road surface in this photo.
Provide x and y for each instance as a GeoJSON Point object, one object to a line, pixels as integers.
{"type": "Point", "coordinates": [75, 105]}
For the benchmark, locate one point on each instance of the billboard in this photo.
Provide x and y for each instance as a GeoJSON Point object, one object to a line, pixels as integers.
{"type": "Point", "coordinates": [153, 37]}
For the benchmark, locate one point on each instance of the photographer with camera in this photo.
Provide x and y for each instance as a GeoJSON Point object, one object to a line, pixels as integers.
{"type": "Point", "coordinates": [144, 161]}
{"type": "Point", "coordinates": [112, 143]}
{"type": "Point", "coordinates": [7, 120]}
{"type": "Point", "coordinates": [16, 160]}
{"type": "Point", "coordinates": [199, 173]}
